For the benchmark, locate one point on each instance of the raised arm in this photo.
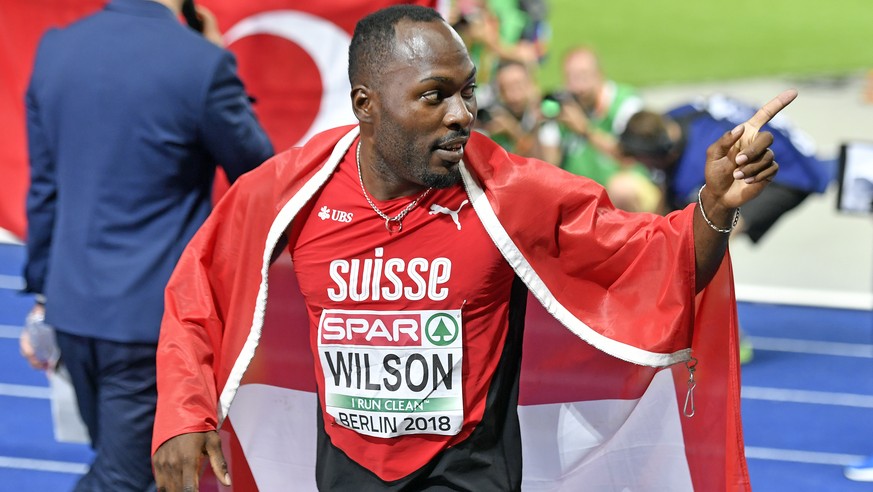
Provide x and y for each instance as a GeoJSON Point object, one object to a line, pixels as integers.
{"type": "Point", "coordinates": [738, 168]}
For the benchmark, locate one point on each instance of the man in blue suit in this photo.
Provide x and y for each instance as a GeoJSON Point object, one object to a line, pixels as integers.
{"type": "Point", "coordinates": [128, 114]}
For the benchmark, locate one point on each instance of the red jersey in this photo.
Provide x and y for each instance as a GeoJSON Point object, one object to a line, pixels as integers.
{"type": "Point", "coordinates": [406, 327]}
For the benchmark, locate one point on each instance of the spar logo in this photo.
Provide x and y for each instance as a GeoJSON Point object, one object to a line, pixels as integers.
{"type": "Point", "coordinates": [396, 329]}
{"type": "Point", "coordinates": [441, 329]}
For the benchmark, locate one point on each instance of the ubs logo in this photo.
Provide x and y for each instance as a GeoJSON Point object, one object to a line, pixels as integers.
{"type": "Point", "coordinates": [335, 215]}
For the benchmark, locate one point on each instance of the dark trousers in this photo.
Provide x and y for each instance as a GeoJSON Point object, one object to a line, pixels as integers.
{"type": "Point", "coordinates": [116, 390]}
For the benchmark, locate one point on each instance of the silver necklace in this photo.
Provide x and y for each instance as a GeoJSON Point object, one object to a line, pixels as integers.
{"type": "Point", "coordinates": [393, 224]}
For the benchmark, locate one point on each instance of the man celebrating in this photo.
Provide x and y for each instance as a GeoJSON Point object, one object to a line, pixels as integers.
{"type": "Point", "coordinates": [415, 318]}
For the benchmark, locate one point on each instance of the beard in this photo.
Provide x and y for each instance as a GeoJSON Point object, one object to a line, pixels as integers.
{"type": "Point", "coordinates": [403, 160]}
{"type": "Point", "coordinates": [450, 178]}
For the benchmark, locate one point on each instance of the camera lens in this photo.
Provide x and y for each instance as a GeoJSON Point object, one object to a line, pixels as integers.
{"type": "Point", "coordinates": [550, 108]}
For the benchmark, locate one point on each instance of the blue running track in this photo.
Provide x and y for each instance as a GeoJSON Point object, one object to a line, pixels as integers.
{"type": "Point", "coordinates": [807, 398]}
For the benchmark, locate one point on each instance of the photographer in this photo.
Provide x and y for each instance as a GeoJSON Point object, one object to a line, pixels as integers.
{"type": "Point", "coordinates": [593, 110]}
{"type": "Point", "coordinates": [671, 145]}
{"type": "Point", "coordinates": [514, 119]}
{"type": "Point", "coordinates": [498, 31]}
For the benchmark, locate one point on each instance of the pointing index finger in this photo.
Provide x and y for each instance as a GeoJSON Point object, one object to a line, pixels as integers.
{"type": "Point", "coordinates": [769, 110]}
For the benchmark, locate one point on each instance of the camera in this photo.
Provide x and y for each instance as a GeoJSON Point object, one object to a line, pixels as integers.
{"type": "Point", "coordinates": [483, 115]}
{"type": "Point", "coordinates": [550, 106]}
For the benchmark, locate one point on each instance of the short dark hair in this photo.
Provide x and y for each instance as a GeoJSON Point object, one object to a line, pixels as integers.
{"type": "Point", "coordinates": [374, 35]}
{"type": "Point", "coordinates": [645, 135]}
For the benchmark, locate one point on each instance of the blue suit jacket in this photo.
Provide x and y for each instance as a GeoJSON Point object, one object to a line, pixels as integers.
{"type": "Point", "coordinates": [128, 112]}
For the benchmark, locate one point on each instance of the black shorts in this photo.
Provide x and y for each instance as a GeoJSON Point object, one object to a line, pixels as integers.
{"type": "Point", "coordinates": [761, 213]}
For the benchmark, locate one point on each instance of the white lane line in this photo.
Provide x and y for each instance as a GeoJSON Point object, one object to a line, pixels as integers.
{"type": "Point", "coordinates": [862, 350]}
{"type": "Point", "coordinates": [24, 391]}
{"type": "Point", "coordinates": [10, 331]}
{"type": "Point", "coordinates": [804, 297]}
{"type": "Point", "coordinates": [805, 396]}
{"type": "Point", "coordinates": [11, 282]}
{"type": "Point", "coordinates": [43, 465]}
{"type": "Point", "coordinates": [796, 456]}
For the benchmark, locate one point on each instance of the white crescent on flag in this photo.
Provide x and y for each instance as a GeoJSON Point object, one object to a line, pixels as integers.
{"type": "Point", "coordinates": [325, 43]}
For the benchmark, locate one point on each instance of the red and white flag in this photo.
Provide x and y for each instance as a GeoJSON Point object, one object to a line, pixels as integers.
{"type": "Point", "coordinates": [589, 421]}
{"type": "Point", "coordinates": [292, 57]}
{"type": "Point", "coordinates": [21, 26]}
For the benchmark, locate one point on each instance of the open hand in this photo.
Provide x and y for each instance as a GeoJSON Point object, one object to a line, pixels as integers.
{"type": "Point", "coordinates": [177, 461]}
{"type": "Point", "coordinates": [573, 116]}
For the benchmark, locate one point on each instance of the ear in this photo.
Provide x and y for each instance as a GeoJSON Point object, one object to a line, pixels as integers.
{"type": "Point", "coordinates": [362, 103]}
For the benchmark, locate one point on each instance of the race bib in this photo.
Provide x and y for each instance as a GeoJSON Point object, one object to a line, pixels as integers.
{"type": "Point", "coordinates": [393, 373]}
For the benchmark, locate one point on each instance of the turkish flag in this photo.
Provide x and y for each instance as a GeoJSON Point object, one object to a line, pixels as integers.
{"type": "Point", "coordinates": [292, 57]}
{"type": "Point", "coordinates": [21, 26]}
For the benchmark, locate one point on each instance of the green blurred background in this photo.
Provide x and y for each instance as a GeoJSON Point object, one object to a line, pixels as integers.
{"type": "Point", "coordinates": [666, 41]}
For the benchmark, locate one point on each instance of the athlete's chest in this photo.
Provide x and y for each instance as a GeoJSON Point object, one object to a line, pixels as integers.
{"type": "Point", "coordinates": [345, 252]}
{"type": "Point", "coordinates": [395, 313]}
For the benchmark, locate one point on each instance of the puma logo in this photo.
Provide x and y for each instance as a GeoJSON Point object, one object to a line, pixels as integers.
{"type": "Point", "coordinates": [439, 209]}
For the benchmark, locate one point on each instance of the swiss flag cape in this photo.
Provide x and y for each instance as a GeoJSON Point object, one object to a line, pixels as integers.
{"type": "Point", "coordinates": [601, 415]}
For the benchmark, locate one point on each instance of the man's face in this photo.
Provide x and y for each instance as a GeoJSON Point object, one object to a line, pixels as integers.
{"type": "Point", "coordinates": [514, 87]}
{"type": "Point", "coordinates": [582, 77]}
{"type": "Point", "coordinates": [424, 106]}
